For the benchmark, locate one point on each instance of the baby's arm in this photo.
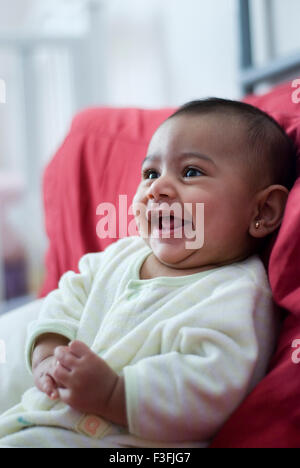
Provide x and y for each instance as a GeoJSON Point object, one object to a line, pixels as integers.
{"type": "Point", "coordinates": [62, 309]}
{"type": "Point", "coordinates": [44, 362]}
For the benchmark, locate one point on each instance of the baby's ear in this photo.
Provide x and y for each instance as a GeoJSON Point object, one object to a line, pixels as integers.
{"type": "Point", "coordinates": [269, 210]}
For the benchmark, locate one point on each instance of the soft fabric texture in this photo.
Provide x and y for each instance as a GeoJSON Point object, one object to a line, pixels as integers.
{"type": "Point", "coordinates": [189, 347]}
{"type": "Point", "coordinates": [14, 378]}
{"type": "Point", "coordinates": [99, 159]}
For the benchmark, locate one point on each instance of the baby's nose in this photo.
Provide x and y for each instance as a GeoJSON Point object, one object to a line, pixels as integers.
{"type": "Point", "coordinates": [163, 187]}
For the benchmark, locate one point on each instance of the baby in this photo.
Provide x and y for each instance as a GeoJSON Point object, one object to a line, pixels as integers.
{"type": "Point", "coordinates": [153, 343]}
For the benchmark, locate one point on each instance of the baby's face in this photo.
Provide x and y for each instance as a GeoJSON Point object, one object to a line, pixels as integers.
{"type": "Point", "coordinates": [192, 160]}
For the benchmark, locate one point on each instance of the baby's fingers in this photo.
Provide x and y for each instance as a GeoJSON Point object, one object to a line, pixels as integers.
{"type": "Point", "coordinates": [49, 387]}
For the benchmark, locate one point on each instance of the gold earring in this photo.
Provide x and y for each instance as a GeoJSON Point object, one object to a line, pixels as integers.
{"type": "Point", "coordinates": [257, 224]}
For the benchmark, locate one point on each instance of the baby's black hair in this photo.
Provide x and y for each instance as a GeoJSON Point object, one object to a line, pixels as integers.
{"type": "Point", "coordinates": [267, 141]}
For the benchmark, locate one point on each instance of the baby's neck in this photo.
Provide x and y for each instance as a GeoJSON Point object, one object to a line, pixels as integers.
{"type": "Point", "coordinates": [153, 268]}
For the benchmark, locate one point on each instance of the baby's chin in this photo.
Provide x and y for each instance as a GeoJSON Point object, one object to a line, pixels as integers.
{"type": "Point", "coordinates": [169, 254]}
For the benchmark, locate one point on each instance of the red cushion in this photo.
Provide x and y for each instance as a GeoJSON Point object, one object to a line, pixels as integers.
{"type": "Point", "coordinates": [101, 159]}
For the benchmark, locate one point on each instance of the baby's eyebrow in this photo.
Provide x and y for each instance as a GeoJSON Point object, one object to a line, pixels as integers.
{"type": "Point", "coordinates": [185, 155]}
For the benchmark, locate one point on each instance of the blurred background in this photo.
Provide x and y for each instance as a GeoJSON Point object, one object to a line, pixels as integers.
{"type": "Point", "coordinates": [60, 56]}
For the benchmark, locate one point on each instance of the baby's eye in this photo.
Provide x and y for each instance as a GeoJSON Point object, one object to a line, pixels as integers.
{"type": "Point", "coordinates": [149, 174]}
{"type": "Point", "coordinates": [192, 172]}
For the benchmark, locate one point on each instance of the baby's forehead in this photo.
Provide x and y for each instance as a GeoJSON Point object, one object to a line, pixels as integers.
{"type": "Point", "coordinates": [205, 120]}
{"type": "Point", "coordinates": [214, 132]}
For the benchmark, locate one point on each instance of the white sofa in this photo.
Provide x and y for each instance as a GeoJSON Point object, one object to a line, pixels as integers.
{"type": "Point", "coordinates": [14, 377]}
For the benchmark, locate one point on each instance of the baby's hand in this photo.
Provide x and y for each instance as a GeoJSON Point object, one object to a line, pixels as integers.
{"type": "Point", "coordinates": [44, 379]}
{"type": "Point", "coordinates": [87, 381]}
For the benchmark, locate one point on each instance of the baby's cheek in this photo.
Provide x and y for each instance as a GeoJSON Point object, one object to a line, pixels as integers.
{"type": "Point", "coordinates": [142, 225]}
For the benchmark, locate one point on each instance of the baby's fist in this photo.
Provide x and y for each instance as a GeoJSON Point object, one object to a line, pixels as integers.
{"type": "Point", "coordinates": [43, 376]}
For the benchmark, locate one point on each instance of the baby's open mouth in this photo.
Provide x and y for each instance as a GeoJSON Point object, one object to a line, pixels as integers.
{"type": "Point", "coordinates": [170, 222]}
{"type": "Point", "coordinates": [167, 222]}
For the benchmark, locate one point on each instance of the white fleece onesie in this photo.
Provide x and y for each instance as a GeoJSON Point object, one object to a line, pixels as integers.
{"type": "Point", "coordinates": [190, 349]}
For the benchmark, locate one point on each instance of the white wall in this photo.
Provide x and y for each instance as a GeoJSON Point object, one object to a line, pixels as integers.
{"type": "Point", "coordinates": [287, 19]}
{"type": "Point", "coordinates": [202, 48]}
{"type": "Point", "coordinates": [283, 16]}
{"type": "Point", "coordinates": [169, 52]}
{"type": "Point", "coordinates": [13, 12]}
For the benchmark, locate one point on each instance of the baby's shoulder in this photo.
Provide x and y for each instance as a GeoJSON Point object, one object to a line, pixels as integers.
{"type": "Point", "coordinates": [118, 251]}
{"type": "Point", "coordinates": [251, 270]}
{"type": "Point", "coordinates": [125, 246]}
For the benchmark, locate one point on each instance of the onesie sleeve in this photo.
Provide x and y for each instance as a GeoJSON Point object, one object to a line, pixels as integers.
{"type": "Point", "coordinates": [62, 308]}
{"type": "Point", "coordinates": [205, 369]}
